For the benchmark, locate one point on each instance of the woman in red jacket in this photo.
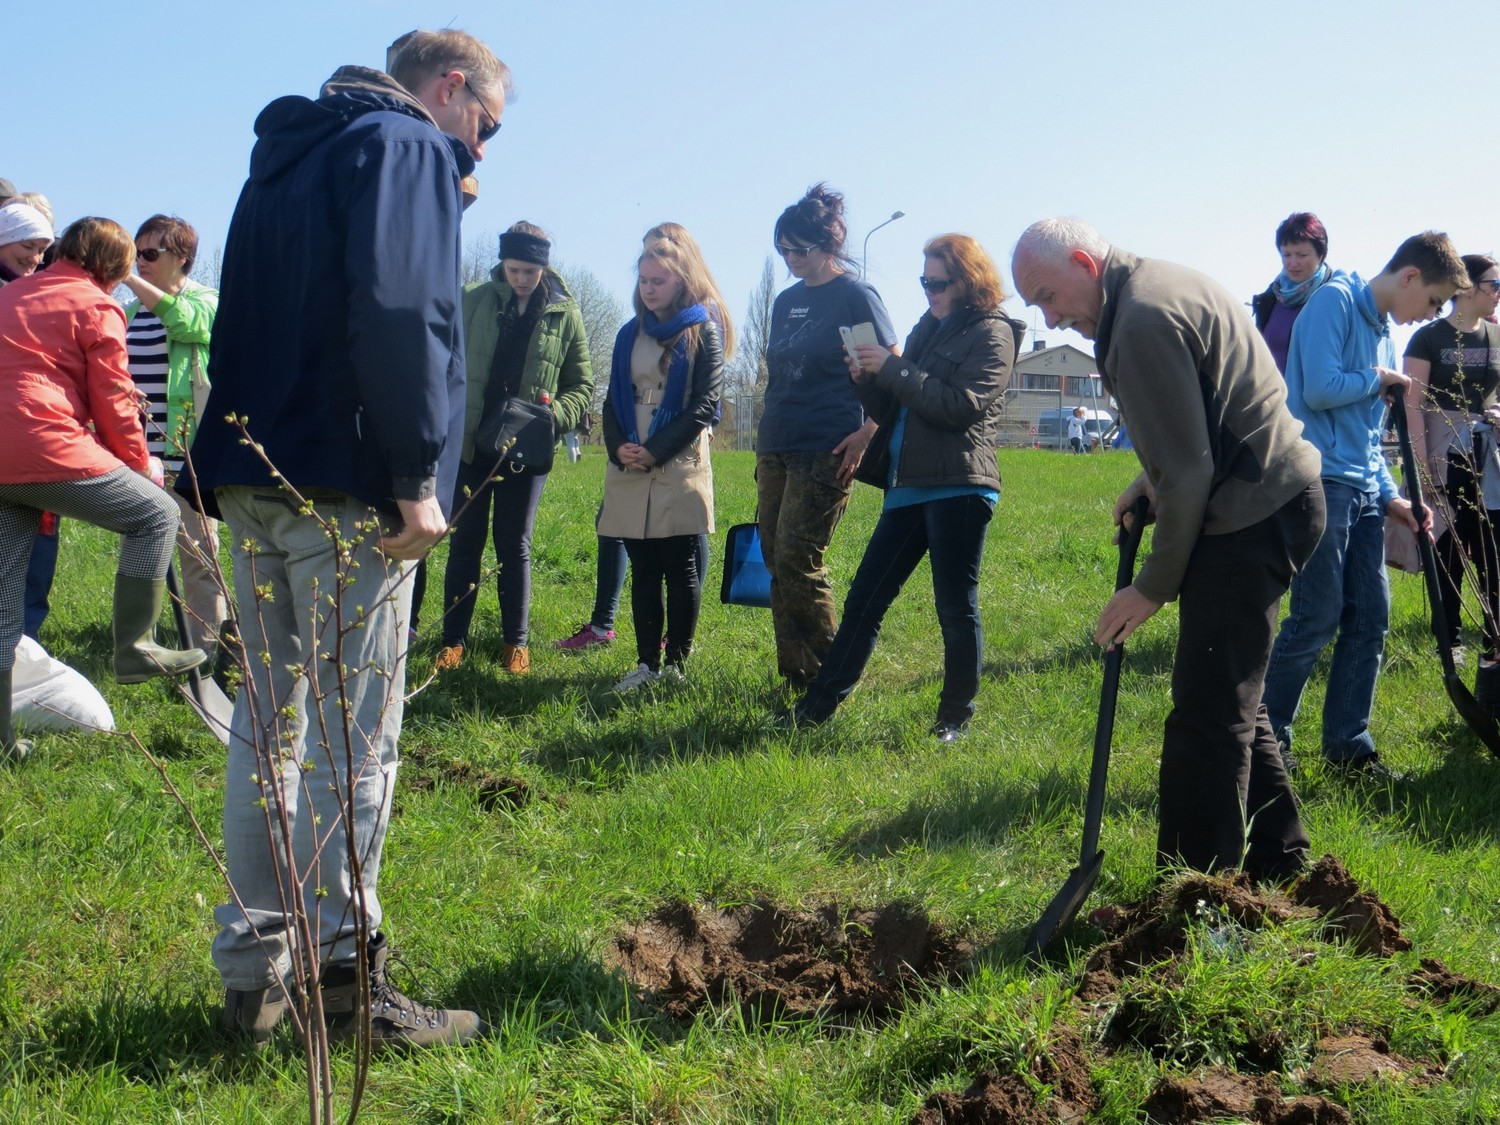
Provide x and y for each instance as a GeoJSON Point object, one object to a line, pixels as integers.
{"type": "Point", "coordinates": [63, 368]}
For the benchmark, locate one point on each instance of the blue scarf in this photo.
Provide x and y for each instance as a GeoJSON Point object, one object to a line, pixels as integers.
{"type": "Point", "coordinates": [1294, 294]}
{"type": "Point", "coordinates": [622, 389]}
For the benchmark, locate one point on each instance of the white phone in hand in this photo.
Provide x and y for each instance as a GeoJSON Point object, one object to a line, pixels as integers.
{"type": "Point", "coordinates": [859, 334]}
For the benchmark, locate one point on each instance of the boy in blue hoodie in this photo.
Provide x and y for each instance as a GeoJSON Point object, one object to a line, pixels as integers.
{"type": "Point", "coordinates": [1338, 371]}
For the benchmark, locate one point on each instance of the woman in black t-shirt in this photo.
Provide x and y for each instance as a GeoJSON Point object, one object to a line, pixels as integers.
{"type": "Point", "coordinates": [1454, 364]}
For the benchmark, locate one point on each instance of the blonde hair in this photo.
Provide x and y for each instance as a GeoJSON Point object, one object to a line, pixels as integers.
{"type": "Point", "coordinates": [34, 199]}
{"type": "Point", "coordinates": [675, 236]}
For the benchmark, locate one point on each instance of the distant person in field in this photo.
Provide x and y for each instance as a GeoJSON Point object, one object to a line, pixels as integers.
{"type": "Point", "coordinates": [339, 340]}
{"type": "Point", "coordinates": [167, 334]}
{"type": "Point", "coordinates": [1076, 431]}
{"type": "Point", "coordinates": [1302, 241]}
{"type": "Point", "coordinates": [938, 407]}
{"type": "Point", "coordinates": [71, 442]}
{"type": "Point", "coordinates": [1339, 372]}
{"type": "Point", "coordinates": [1238, 506]}
{"type": "Point", "coordinates": [813, 430]}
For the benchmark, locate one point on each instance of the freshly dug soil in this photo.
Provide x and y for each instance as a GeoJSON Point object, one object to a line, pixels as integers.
{"type": "Point", "coordinates": [831, 961]}
{"type": "Point", "coordinates": [492, 790]}
{"type": "Point", "coordinates": [1008, 1099]}
{"type": "Point", "coordinates": [1224, 1095]}
{"type": "Point", "coordinates": [1156, 928]}
{"type": "Point", "coordinates": [1442, 985]}
{"type": "Point", "coordinates": [1349, 1060]}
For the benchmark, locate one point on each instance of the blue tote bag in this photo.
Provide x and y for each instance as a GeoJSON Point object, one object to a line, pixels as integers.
{"type": "Point", "coordinates": [746, 579]}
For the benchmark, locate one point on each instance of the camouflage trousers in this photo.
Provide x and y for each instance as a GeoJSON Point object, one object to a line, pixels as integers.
{"type": "Point", "coordinates": [800, 502]}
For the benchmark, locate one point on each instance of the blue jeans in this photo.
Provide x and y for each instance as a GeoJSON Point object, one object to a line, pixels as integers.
{"type": "Point", "coordinates": [952, 533]}
{"type": "Point", "coordinates": [1342, 592]}
{"type": "Point", "coordinates": [286, 704]}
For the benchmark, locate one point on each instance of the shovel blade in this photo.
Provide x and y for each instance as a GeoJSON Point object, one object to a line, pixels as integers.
{"type": "Point", "coordinates": [1064, 906]}
{"type": "Point", "coordinates": [211, 704]}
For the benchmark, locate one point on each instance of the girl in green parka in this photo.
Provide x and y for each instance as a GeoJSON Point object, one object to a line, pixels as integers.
{"type": "Point", "coordinates": [525, 338]}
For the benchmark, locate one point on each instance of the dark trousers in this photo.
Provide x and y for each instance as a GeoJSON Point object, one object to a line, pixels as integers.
{"type": "Point", "coordinates": [669, 562]}
{"type": "Point", "coordinates": [1472, 536]}
{"type": "Point", "coordinates": [610, 577]}
{"type": "Point", "coordinates": [1223, 786]}
{"type": "Point", "coordinates": [40, 571]}
{"type": "Point", "coordinates": [952, 533]}
{"type": "Point", "coordinates": [514, 500]}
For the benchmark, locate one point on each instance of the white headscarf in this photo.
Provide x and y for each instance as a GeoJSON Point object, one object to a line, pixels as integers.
{"type": "Point", "coordinates": [20, 222]}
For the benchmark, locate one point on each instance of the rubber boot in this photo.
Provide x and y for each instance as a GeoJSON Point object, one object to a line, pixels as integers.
{"type": "Point", "coordinates": [12, 749]}
{"type": "Point", "coordinates": [1487, 687]}
{"type": "Point", "coordinates": [137, 655]}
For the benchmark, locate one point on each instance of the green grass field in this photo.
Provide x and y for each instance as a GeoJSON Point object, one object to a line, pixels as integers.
{"type": "Point", "coordinates": [108, 999]}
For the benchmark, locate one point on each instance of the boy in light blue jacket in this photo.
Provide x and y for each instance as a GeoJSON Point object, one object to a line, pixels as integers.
{"type": "Point", "coordinates": [1339, 369]}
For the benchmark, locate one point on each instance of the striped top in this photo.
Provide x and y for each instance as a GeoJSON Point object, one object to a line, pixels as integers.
{"type": "Point", "coordinates": [146, 346]}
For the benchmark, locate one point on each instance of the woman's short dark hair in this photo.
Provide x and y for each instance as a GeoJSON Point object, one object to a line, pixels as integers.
{"type": "Point", "coordinates": [101, 246]}
{"type": "Point", "coordinates": [817, 220]}
{"type": "Point", "coordinates": [970, 267]}
{"type": "Point", "coordinates": [177, 235]}
{"type": "Point", "coordinates": [1303, 226]}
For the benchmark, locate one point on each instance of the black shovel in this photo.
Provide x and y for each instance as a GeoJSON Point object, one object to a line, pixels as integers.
{"type": "Point", "coordinates": [1064, 906]}
{"type": "Point", "coordinates": [1464, 703]}
{"type": "Point", "coordinates": [205, 696]}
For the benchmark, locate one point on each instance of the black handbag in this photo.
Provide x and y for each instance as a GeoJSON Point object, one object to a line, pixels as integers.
{"type": "Point", "coordinates": [746, 579]}
{"type": "Point", "coordinates": [522, 435]}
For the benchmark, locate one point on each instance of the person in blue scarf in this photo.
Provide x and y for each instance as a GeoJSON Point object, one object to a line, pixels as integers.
{"type": "Point", "coordinates": [664, 385]}
{"type": "Point", "coordinates": [1302, 241]}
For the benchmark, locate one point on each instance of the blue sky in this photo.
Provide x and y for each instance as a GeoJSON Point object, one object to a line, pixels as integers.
{"type": "Point", "coordinates": [1182, 130]}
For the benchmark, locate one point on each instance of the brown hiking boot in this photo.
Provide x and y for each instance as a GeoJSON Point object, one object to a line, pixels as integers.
{"type": "Point", "coordinates": [254, 1014]}
{"type": "Point", "coordinates": [449, 658]}
{"type": "Point", "coordinates": [396, 1022]}
{"type": "Point", "coordinates": [515, 659]}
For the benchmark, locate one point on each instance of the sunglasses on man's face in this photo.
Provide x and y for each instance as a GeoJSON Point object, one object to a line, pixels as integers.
{"type": "Point", "coordinates": [487, 133]}
{"type": "Point", "coordinates": [934, 284]}
{"type": "Point", "coordinates": [150, 254]}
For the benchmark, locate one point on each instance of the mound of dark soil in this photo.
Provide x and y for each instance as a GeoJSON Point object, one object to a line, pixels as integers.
{"type": "Point", "coordinates": [1349, 1060]}
{"type": "Point", "coordinates": [1008, 1099]}
{"type": "Point", "coordinates": [1156, 929]}
{"type": "Point", "coordinates": [1224, 1095]}
{"type": "Point", "coordinates": [1358, 915]}
{"type": "Point", "coordinates": [832, 961]}
{"type": "Point", "coordinates": [1443, 986]}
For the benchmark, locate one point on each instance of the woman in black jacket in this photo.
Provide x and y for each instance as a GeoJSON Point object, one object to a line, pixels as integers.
{"type": "Point", "coordinates": [938, 408]}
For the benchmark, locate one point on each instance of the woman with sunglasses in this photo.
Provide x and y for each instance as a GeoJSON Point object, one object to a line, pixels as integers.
{"type": "Point", "coordinates": [664, 385]}
{"type": "Point", "coordinates": [1454, 364]}
{"type": "Point", "coordinates": [813, 430]}
{"type": "Point", "coordinates": [938, 408]}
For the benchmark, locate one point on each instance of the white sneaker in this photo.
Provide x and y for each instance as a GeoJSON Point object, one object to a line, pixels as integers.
{"type": "Point", "coordinates": [638, 679]}
{"type": "Point", "coordinates": [671, 674]}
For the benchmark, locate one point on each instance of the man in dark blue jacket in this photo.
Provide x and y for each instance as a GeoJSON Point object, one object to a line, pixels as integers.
{"type": "Point", "coordinates": [330, 443]}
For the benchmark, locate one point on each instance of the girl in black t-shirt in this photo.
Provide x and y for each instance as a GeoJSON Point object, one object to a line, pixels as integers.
{"type": "Point", "coordinates": [1454, 364]}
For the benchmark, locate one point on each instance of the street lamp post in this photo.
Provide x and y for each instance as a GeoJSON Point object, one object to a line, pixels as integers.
{"type": "Point", "coordinates": [864, 255]}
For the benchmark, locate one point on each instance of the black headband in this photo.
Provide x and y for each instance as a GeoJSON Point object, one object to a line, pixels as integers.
{"type": "Point", "coordinates": [517, 246]}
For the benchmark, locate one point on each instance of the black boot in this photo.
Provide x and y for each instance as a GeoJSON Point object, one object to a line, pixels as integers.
{"type": "Point", "coordinates": [12, 749]}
